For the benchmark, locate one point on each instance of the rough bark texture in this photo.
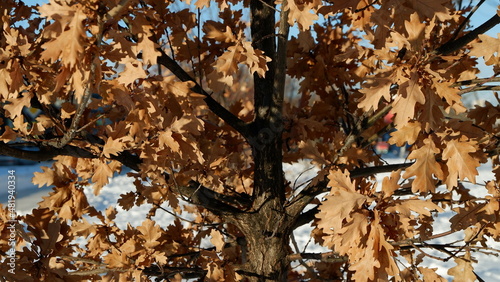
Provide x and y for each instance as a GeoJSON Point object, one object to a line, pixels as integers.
{"type": "Point", "coordinates": [267, 237]}
{"type": "Point", "coordinates": [267, 229]}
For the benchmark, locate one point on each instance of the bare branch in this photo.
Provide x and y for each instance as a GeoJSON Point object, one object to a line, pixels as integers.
{"type": "Point", "coordinates": [235, 122]}
{"type": "Point", "coordinates": [480, 88]}
{"type": "Point", "coordinates": [44, 154]}
{"type": "Point", "coordinates": [462, 25]}
{"type": "Point", "coordinates": [213, 201]}
{"type": "Point", "coordinates": [456, 44]}
{"type": "Point", "coordinates": [325, 257]}
{"type": "Point", "coordinates": [478, 81]}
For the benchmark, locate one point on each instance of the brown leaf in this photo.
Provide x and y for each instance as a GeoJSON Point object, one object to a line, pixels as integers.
{"type": "Point", "coordinates": [112, 147]}
{"type": "Point", "coordinates": [151, 233]}
{"type": "Point", "coordinates": [407, 133]}
{"type": "Point", "coordinates": [217, 239]}
{"type": "Point", "coordinates": [460, 163]}
{"type": "Point", "coordinates": [304, 13]}
{"type": "Point", "coordinates": [486, 47]}
{"type": "Point", "coordinates": [17, 105]}
{"type": "Point", "coordinates": [101, 175]}
{"type": "Point", "coordinates": [340, 203]}
{"type": "Point", "coordinates": [463, 271]}
{"type": "Point", "coordinates": [375, 90]}
{"type": "Point", "coordinates": [410, 93]}
{"type": "Point", "coordinates": [424, 168]}
{"type": "Point", "coordinates": [430, 275]}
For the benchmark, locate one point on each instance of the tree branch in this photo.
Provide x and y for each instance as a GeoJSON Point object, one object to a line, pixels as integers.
{"type": "Point", "coordinates": [462, 25]}
{"type": "Point", "coordinates": [476, 81]}
{"type": "Point", "coordinates": [311, 191]}
{"type": "Point", "coordinates": [235, 122]}
{"type": "Point", "coordinates": [211, 200]}
{"type": "Point", "coordinates": [44, 154]}
{"type": "Point", "coordinates": [325, 257]}
{"type": "Point", "coordinates": [480, 88]}
{"type": "Point", "coordinates": [456, 44]}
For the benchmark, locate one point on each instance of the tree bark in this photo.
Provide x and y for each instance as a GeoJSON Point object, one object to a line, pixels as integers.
{"type": "Point", "coordinates": [267, 234]}
{"type": "Point", "coordinates": [267, 227]}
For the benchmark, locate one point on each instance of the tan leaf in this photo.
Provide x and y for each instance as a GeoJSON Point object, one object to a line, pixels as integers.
{"type": "Point", "coordinates": [390, 183]}
{"type": "Point", "coordinates": [407, 207]}
{"type": "Point", "coordinates": [222, 36]}
{"type": "Point", "coordinates": [415, 29]}
{"type": "Point", "coordinates": [101, 175]}
{"type": "Point", "coordinates": [68, 45]}
{"type": "Point", "coordinates": [147, 47]}
{"type": "Point", "coordinates": [16, 105]}
{"type": "Point", "coordinates": [255, 59]}
{"type": "Point", "coordinates": [217, 239]}
{"type": "Point", "coordinates": [116, 259]}
{"type": "Point", "coordinates": [424, 168]}
{"type": "Point", "coordinates": [45, 178]}
{"type": "Point", "coordinates": [150, 233]}
{"type": "Point", "coordinates": [410, 93]}
{"type": "Point", "coordinates": [340, 203]}
{"type": "Point", "coordinates": [132, 72]}
{"type": "Point", "coordinates": [460, 163]}
{"type": "Point", "coordinates": [451, 95]}
{"type": "Point", "coordinates": [486, 47]}
{"type": "Point", "coordinates": [375, 90]}
{"type": "Point", "coordinates": [408, 133]}
{"type": "Point", "coordinates": [112, 147]}
{"type": "Point", "coordinates": [430, 275]}
{"type": "Point", "coordinates": [463, 271]}
{"type": "Point", "coordinates": [304, 13]}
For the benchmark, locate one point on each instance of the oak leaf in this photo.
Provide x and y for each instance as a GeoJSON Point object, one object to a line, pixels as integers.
{"type": "Point", "coordinates": [424, 168]}
{"type": "Point", "coordinates": [431, 8]}
{"type": "Point", "coordinates": [391, 183]}
{"type": "Point", "coordinates": [408, 133]}
{"type": "Point", "coordinates": [101, 175]}
{"type": "Point", "coordinates": [415, 29]}
{"type": "Point", "coordinates": [410, 93]}
{"type": "Point", "coordinates": [68, 45]}
{"type": "Point", "coordinates": [217, 239]}
{"type": "Point", "coordinates": [376, 89]}
{"type": "Point", "coordinates": [430, 275]}
{"type": "Point", "coordinates": [112, 147]}
{"type": "Point", "coordinates": [460, 163]}
{"type": "Point", "coordinates": [486, 47]}
{"type": "Point", "coordinates": [150, 233]}
{"type": "Point", "coordinates": [303, 13]}
{"type": "Point", "coordinates": [340, 203]}
{"type": "Point", "coordinates": [116, 259]}
{"type": "Point", "coordinates": [127, 200]}
{"type": "Point", "coordinates": [463, 271]}
{"type": "Point", "coordinates": [16, 106]}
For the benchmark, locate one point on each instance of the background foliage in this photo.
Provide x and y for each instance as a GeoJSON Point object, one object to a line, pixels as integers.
{"type": "Point", "coordinates": [193, 101]}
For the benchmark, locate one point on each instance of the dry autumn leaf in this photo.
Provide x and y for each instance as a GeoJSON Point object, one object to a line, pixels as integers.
{"type": "Point", "coordinates": [233, 124]}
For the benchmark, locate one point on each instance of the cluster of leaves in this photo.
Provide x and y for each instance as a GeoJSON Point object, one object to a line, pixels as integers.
{"type": "Point", "coordinates": [165, 92]}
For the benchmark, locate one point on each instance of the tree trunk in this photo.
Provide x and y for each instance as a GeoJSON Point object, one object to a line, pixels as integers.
{"type": "Point", "coordinates": [267, 227]}
{"type": "Point", "coordinates": [267, 234]}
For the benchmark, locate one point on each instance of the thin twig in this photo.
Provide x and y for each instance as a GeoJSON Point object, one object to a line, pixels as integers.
{"type": "Point", "coordinates": [300, 259]}
{"type": "Point", "coordinates": [467, 243]}
{"type": "Point", "coordinates": [366, 7]}
{"type": "Point", "coordinates": [462, 25]}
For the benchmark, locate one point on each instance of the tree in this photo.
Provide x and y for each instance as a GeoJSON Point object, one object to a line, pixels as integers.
{"type": "Point", "coordinates": [195, 107]}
